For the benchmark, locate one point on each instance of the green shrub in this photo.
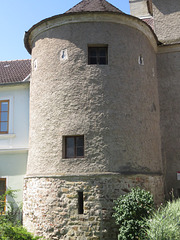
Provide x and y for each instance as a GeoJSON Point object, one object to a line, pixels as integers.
{"type": "Point", "coordinates": [131, 212]}
{"type": "Point", "coordinates": [12, 213]}
{"type": "Point", "coordinates": [10, 232]}
{"type": "Point", "coordinates": [165, 223]}
{"type": "Point", "coordinates": [10, 226]}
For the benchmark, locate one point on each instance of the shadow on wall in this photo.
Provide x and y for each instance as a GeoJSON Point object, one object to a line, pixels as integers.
{"type": "Point", "coordinates": [166, 6]}
{"type": "Point", "coordinates": [13, 207]}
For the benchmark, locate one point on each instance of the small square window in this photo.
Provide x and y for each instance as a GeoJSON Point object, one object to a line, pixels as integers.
{"type": "Point", "coordinates": [74, 146]}
{"type": "Point", "coordinates": [4, 116]}
{"type": "Point", "coordinates": [98, 55]}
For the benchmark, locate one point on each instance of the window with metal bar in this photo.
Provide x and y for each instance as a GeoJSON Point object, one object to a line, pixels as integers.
{"type": "Point", "coordinates": [98, 55]}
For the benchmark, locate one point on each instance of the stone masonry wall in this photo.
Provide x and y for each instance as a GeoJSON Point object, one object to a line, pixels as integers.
{"type": "Point", "coordinates": [51, 204]}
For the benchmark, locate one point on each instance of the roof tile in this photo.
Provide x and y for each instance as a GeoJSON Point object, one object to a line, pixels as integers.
{"type": "Point", "coordinates": [14, 71]}
{"type": "Point", "coordinates": [149, 21]}
{"type": "Point", "coordinates": [93, 6]}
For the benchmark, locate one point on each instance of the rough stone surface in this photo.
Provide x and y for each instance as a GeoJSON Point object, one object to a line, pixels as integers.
{"type": "Point", "coordinates": [114, 106]}
{"type": "Point", "coordinates": [169, 88]}
{"type": "Point", "coordinates": [166, 20]}
{"type": "Point", "coordinates": [51, 204]}
{"type": "Point", "coordinates": [139, 8]}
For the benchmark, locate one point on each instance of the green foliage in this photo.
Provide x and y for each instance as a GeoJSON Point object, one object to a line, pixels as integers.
{"type": "Point", "coordinates": [12, 213]}
{"type": "Point", "coordinates": [165, 223]}
{"type": "Point", "coordinates": [131, 212]}
{"type": "Point", "coordinates": [10, 232]}
{"type": "Point", "coordinates": [10, 226]}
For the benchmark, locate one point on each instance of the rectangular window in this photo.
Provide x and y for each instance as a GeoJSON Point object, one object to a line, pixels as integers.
{"type": "Point", "coordinates": [2, 192]}
{"type": "Point", "coordinates": [80, 203]}
{"type": "Point", "coordinates": [74, 146]}
{"type": "Point", "coordinates": [98, 55]}
{"type": "Point", "coordinates": [4, 116]}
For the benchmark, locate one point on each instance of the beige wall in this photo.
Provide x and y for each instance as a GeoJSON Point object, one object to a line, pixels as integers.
{"type": "Point", "coordinates": [166, 20]}
{"type": "Point", "coordinates": [115, 106]}
{"type": "Point", "coordinates": [139, 8]}
{"type": "Point", "coordinates": [169, 89]}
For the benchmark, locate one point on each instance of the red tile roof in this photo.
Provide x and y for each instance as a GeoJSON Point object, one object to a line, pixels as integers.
{"type": "Point", "coordinates": [14, 71]}
{"type": "Point", "coordinates": [149, 21]}
{"type": "Point", "coordinates": [93, 6]}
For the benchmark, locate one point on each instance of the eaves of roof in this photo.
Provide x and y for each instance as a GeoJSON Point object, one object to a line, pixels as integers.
{"type": "Point", "coordinates": [14, 84]}
{"type": "Point", "coordinates": [74, 14]}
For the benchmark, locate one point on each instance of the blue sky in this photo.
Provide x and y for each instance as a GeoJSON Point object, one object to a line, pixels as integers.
{"type": "Point", "coordinates": [18, 16]}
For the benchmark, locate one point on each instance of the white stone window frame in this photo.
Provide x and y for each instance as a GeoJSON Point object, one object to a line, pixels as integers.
{"type": "Point", "coordinates": [11, 117]}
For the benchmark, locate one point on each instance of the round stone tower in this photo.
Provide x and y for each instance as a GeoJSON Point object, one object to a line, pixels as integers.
{"type": "Point", "coordinates": [94, 120]}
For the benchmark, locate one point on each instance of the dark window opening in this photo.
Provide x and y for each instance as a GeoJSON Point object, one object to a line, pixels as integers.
{"type": "Point", "coordinates": [98, 55]}
{"type": "Point", "coordinates": [74, 146]}
{"type": "Point", "coordinates": [2, 192]}
{"type": "Point", "coordinates": [80, 203]}
{"type": "Point", "coordinates": [178, 193]}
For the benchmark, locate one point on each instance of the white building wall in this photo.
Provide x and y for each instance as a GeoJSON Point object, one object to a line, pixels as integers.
{"type": "Point", "coordinates": [17, 138]}
{"type": "Point", "coordinates": [14, 145]}
{"type": "Point", "coordinates": [13, 168]}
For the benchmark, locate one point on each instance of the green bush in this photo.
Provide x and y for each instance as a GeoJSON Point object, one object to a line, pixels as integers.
{"type": "Point", "coordinates": [165, 223]}
{"type": "Point", "coordinates": [131, 212]}
{"type": "Point", "coordinates": [10, 232]}
{"type": "Point", "coordinates": [10, 226]}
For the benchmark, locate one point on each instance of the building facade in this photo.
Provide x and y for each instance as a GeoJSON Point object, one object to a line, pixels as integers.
{"type": "Point", "coordinates": [14, 126]}
{"type": "Point", "coordinates": [165, 19]}
{"type": "Point", "coordinates": [104, 114]}
{"type": "Point", "coordinates": [99, 116]}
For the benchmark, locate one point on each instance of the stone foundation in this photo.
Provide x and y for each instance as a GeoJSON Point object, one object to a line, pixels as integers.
{"type": "Point", "coordinates": [51, 204]}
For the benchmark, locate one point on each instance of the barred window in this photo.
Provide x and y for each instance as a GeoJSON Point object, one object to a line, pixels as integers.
{"type": "Point", "coordinates": [98, 55]}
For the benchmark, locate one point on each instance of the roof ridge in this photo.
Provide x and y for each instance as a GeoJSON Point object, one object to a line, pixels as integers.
{"type": "Point", "coordinates": [92, 6]}
{"type": "Point", "coordinates": [17, 60]}
{"type": "Point", "coordinates": [111, 5]}
{"type": "Point", "coordinates": [74, 6]}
